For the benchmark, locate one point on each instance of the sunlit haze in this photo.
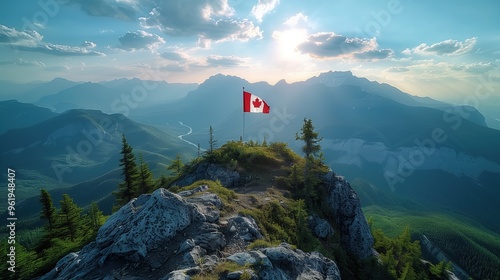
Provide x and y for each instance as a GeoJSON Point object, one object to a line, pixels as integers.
{"type": "Point", "coordinates": [439, 49]}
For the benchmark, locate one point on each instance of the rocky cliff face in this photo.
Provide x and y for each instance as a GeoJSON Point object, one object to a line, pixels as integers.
{"type": "Point", "coordinates": [345, 207]}
{"type": "Point", "coordinates": [172, 236]}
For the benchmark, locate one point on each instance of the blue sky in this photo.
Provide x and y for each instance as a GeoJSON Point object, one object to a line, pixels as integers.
{"type": "Point", "coordinates": [444, 49]}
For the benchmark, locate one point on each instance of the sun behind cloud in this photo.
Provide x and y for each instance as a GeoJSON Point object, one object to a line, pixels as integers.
{"type": "Point", "coordinates": [287, 41]}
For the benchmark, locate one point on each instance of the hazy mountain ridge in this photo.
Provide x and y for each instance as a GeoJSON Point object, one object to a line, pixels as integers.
{"type": "Point", "coordinates": [83, 96]}
{"type": "Point", "coordinates": [337, 78]}
{"type": "Point", "coordinates": [82, 144]}
{"type": "Point", "coordinates": [382, 135]}
{"type": "Point", "coordinates": [32, 92]}
{"type": "Point", "coordinates": [389, 144]}
{"type": "Point", "coordinates": [15, 114]}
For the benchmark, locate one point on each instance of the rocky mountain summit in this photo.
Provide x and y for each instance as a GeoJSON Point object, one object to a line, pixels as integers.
{"type": "Point", "coordinates": [227, 221]}
{"type": "Point", "coordinates": [175, 236]}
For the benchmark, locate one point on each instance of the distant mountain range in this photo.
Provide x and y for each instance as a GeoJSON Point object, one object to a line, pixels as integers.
{"type": "Point", "coordinates": [401, 145]}
{"type": "Point", "coordinates": [79, 145]}
{"type": "Point", "coordinates": [113, 96]}
{"type": "Point", "coordinates": [16, 115]}
{"type": "Point", "coordinates": [411, 147]}
{"type": "Point", "coordinates": [32, 92]}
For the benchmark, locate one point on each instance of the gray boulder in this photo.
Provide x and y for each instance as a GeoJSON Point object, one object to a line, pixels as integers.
{"type": "Point", "coordinates": [252, 258]}
{"type": "Point", "coordinates": [160, 231]}
{"type": "Point", "coordinates": [320, 227]}
{"type": "Point", "coordinates": [283, 262]}
{"type": "Point", "coordinates": [244, 228]}
{"type": "Point", "coordinates": [299, 265]}
{"type": "Point", "coordinates": [182, 274]}
{"type": "Point", "coordinates": [198, 189]}
{"type": "Point", "coordinates": [235, 275]}
{"type": "Point", "coordinates": [143, 223]}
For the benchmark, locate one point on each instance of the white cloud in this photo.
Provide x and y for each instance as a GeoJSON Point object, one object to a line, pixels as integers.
{"type": "Point", "coordinates": [209, 20]}
{"type": "Point", "coordinates": [447, 47]}
{"type": "Point", "coordinates": [22, 62]}
{"type": "Point", "coordinates": [31, 41]}
{"type": "Point", "coordinates": [173, 68]}
{"type": "Point", "coordinates": [330, 45]}
{"type": "Point", "coordinates": [397, 69]}
{"type": "Point", "coordinates": [374, 54]}
{"type": "Point", "coordinates": [264, 7]}
{"type": "Point", "coordinates": [296, 19]}
{"type": "Point", "coordinates": [174, 56]}
{"type": "Point", "coordinates": [107, 30]}
{"type": "Point", "coordinates": [59, 68]}
{"type": "Point", "coordinates": [60, 50]}
{"type": "Point", "coordinates": [89, 45]}
{"type": "Point", "coordinates": [140, 40]}
{"type": "Point", "coordinates": [11, 36]}
{"type": "Point", "coordinates": [223, 61]}
{"type": "Point", "coordinates": [478, 68]}
{"type": "Point", "coordinates": [120, 9]}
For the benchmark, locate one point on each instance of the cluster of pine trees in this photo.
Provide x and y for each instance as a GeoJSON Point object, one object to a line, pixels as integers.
{"type": "Point", "coordinates": [402, 258]}
{"type": "Point", "coordinates": [70, 227]}
{"type": "Point", "coordinates": [138, 179]}
{"type": "Point", "coordinates": [65, 230]}
{"type": "Point", "coordinates": [67, 221]}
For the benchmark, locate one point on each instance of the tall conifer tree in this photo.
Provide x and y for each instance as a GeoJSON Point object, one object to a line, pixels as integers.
{"type": "Point", "coordinates": [70, 215]}
{"type": "Point", "coordinates": [145, 177]}
{"type": "Point", "coordinates": [176, 165]}
{"type": "Point", "coordinates": [128, 188]}
{"type": "Point", "coordinates": [212, 142]}
{"type": "Point", "coordinates": [311, 149]}
{"type": "Point", "coordinates": [48, 210]}
{"type": "Point", "coordinates": [95, 216]}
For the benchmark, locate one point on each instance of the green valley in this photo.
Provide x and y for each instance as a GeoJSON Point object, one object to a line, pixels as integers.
{"type": "Point", "coordinates": [465, 242]}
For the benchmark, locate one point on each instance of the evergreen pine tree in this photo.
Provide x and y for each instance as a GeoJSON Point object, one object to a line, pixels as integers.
{"type": "Point", "coordinates": [212, 142]}
{"type": "Point", "coordinates": [311, 146]}
{"type": "Point", "coordinates": [128, 188]}
{"type": "Point", "coordinates": [311, 149]}
{"type": "Point", "coordinates": [145, 177]}
{"type": "Point", "coordinates": [95, 216]}
{"type": "Point", "coordinates": [70, 216]}
{"type": "Point", "coordinates": [48, 210]}
{"type": "Point", "coordinates": [176, 165]}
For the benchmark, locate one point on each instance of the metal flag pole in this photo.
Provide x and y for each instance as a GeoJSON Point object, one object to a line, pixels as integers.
{"type": "Point", "coordinates": [243, 135]}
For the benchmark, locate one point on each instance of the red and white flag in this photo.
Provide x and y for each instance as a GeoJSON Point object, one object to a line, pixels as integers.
{"type": "Point", "coordinates": [254, 104]}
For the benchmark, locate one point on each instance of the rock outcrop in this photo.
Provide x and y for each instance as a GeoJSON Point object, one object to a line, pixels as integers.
{"type": "Point", "coordinates": [210, 171]}
{"type": "Point", "coordinates": [283, 262]}
{"type": "Point", "coordinates": [320, 227]}
{"type": "Point", "coordinates": [149, 237]}
{"type": "Point", "coordinates": [344, 205]}
{"type": "Point", "coordinates": [165, 236]}
{"type": "Point", "coordinates": [172, 236]}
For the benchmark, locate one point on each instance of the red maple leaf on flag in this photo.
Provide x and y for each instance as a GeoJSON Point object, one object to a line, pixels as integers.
{"type": "Point", "coordinates": [254, 104]}
{"type": "Point", "coordinates": [257, 103]}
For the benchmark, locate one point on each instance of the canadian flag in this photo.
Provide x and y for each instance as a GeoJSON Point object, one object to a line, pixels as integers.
{"type": "Point", "coordinates": [254, 104]}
